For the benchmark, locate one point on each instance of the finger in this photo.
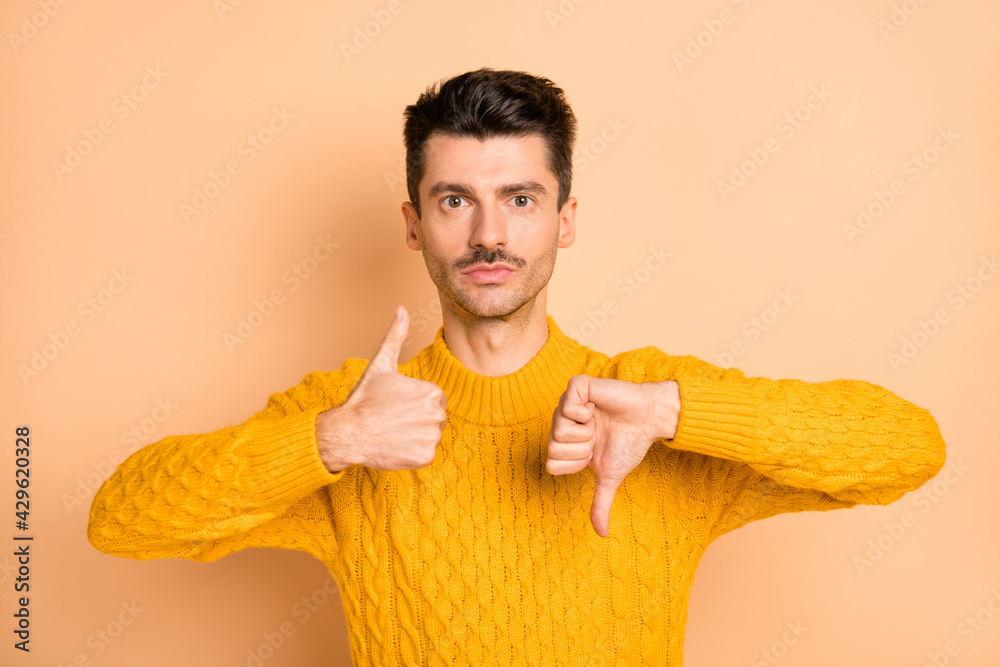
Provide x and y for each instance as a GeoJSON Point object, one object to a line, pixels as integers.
{"type": "Point", "coordinates": [570, 451]}
{"type": "Point", "coordinates": [565, 429]}
{"type": "Point", "coordinates": [578, 410]}
{"type": "Point", "coordinates": [600, 511]}
{"type": "Point", "coordinates": [386, 359]}
{"type": "Point", "coordinates": [577, 404]}
{"type": "Point", "coordinates": [568, 439]}
{"type": "Point", "coordinates": [564, 467]}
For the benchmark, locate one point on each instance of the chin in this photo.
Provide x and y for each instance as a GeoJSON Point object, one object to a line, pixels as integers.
{"type": "Point", "coordinates": [491, 308]}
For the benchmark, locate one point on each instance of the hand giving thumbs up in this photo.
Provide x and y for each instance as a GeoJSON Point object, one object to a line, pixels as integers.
{"type": "Point", "coordinates": [389, 421]}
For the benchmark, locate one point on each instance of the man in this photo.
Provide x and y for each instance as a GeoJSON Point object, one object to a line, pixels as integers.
{"type": "Point", "coordinates": [448, 495]}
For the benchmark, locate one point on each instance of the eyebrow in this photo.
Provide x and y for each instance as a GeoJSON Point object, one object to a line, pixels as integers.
{"type": "Point", "coordinates": [533, 187]}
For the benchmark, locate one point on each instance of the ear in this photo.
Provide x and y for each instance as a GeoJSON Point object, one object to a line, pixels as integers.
{"type": "Point", "coordinates": [567, 223]}
{"type": "Point", "coordinates": [411, 221]}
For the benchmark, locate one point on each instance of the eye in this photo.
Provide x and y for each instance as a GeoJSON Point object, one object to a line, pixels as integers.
{"type": "Point", "coordinates": [519, 198]}
{"type": "Point", "coordinates": [453, 199]}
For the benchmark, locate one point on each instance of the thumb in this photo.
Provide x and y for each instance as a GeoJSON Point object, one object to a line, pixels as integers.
{"type": "Point", "coordinates": [600, 511]}
{"type": "Point", "coordinates": [386, 359]}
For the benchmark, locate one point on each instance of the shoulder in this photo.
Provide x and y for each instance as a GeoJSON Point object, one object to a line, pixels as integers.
{"type": "Point", "coordinates": [638, 365]}
{"type": "Point", "coordinates": [651, 364]}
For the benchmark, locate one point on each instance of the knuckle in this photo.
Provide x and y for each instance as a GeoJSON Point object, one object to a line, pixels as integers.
{"type": "Point", "coordinates": [426, 457]}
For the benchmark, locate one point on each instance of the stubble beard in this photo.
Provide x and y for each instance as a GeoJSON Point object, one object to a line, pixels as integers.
{"type": "Point", "coordinates": [491, 300]}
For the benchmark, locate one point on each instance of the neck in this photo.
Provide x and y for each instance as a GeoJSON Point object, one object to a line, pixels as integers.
{"type": "Point", "coordinates": [529, 393]}
{"type": "Point", "coordinates": [495, 346]}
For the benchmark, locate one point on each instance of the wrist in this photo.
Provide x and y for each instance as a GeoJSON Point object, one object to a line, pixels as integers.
{"type": "Point", "coordinates": [666, 409]}
{"type": "Point", "coordinates": [334, 452]}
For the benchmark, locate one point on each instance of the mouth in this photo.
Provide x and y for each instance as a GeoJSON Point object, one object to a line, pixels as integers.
{"type": "Point", "coordinates": [489, 273]}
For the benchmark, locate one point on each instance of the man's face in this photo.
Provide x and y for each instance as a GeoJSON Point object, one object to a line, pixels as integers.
{"type": "Point", "coordinates": [491, 203]}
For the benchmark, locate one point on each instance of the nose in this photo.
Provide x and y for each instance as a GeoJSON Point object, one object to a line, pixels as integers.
{"type": "Point", "coordinates": [489, 226]}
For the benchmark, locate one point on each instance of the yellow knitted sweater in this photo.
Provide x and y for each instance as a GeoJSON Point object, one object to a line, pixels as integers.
{"type": "Point", "coordinates": [483, 557]}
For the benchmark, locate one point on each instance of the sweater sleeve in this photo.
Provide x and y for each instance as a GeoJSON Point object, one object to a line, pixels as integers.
{"type": "Point", "coordinates": [758, 447]}
{"type": "Point", "coordinates": [258, 484]}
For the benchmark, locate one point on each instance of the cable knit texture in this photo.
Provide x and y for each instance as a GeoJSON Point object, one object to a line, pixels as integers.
{"type": "Point", "coordinates": [483, 557]}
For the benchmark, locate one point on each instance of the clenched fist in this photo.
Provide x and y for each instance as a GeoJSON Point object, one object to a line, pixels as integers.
{"type": "Point", "coordinates": [389, 421]}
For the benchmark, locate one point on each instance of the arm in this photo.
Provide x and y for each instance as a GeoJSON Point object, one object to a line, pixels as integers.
{"type": "Point", "coordinates": [788, 445]}
{"type": "Point", "coordinates": [280, 479]}
{"type": "Point", "coordinates": [261, 483]}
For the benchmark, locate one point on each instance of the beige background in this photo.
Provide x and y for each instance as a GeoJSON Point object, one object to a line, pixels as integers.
{"type": "Point", "coordinates": [672, 130]}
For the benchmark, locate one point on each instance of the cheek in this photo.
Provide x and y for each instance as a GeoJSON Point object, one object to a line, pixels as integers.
{"type": "Point", "coordinates": [538, 247]}
{"type": "Point", "coordinates": [443, 247]}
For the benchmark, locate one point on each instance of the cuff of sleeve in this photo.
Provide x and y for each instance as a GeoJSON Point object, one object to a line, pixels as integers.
{"type": "Point", "coordinates": [282, 459]}
{"type": "Point", "coordinates": [717, 418]}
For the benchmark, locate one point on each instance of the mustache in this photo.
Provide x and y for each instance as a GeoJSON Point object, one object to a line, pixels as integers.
{"type": "Point", "coordinates": [490, 257]}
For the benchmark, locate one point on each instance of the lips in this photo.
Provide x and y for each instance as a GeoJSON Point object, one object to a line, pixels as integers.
{"type": "Point", "coordinates": [489, 267]}
{"type": "Point", "coordinates": [489, 273]}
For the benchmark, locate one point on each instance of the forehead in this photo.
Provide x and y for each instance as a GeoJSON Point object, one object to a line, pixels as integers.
{"type": "Point", "coordinates": [485, 164]}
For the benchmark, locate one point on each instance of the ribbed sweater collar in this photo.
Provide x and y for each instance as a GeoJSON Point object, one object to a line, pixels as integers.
{"type": "Point", "coordinates": [525, 394]}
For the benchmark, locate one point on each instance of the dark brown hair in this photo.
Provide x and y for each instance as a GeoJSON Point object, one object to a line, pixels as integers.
{"type": "Point", "coordinates": [485, 104]}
